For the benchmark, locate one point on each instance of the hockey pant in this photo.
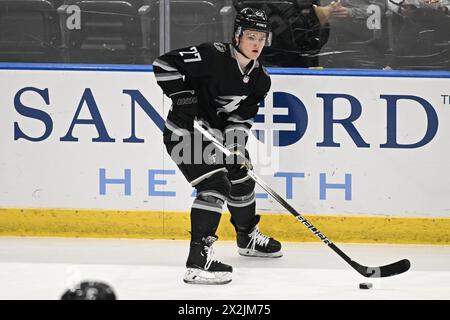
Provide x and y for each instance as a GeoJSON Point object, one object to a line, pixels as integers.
{"type": "Point", "coordinates": [215, 184]}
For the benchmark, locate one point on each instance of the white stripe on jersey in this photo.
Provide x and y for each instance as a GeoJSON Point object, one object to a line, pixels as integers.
{"type": "Point", "coordinates": [229, 103]}
{"type": "Point", "coordinates": [237, 119]}
{"type": "Point", "coordinates": [206, 175]}
{"type": "Point", "coordinates": [240, 180]}
{"type": "Point", "coordinates": [168, 76]}
{"type": "Point", "coordinates": [184, 91]}
{"type": "Point", "coordinates": [177, 130]}
{"type": "Point", "coordinates": [163, 65]}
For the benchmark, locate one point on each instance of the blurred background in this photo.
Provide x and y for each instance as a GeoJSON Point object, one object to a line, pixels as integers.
{"type": "Point", "coordinates": [359, 34]}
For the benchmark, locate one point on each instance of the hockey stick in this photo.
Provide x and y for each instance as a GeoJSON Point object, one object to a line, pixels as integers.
{"type": "Point", "coordinates": [369, 272]}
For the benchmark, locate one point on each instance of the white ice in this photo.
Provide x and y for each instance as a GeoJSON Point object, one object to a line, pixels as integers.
{"type": "Point", "coordinates": [43, 268]}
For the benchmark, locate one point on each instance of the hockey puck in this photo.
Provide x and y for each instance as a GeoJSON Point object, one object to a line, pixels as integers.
{"type": "Point", "coordinates": [365, 285]}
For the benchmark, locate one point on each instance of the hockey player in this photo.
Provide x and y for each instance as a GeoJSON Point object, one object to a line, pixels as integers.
{"type": "Point", "coordinates": [219, 85]}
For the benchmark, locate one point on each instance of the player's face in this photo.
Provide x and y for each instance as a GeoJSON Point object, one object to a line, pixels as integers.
{"type": "Point", "coordinates": [252, 43]}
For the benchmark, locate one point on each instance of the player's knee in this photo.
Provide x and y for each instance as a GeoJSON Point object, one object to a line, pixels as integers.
{"type": "Point", "coordinates": [216, 187]}
{"type": "Point", "coordinates": [242, 188]}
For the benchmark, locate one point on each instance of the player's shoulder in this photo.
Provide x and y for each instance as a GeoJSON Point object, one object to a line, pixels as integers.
{"type": "Point", "coordinates": [264, 73]}
{"type": "Point", "coordinates": [214, 47]}
{"type": "Point", "coordinates": [263, 82]}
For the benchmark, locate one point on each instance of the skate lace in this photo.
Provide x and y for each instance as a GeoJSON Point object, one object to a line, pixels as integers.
{"type": "Point", "coordinates": [257, 238]}
{"type": "Point", "coordinates": [209, 254]}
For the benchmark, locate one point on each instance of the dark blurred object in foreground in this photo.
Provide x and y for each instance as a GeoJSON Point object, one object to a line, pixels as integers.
{"type": "Point", "coordinates": [90, 290]}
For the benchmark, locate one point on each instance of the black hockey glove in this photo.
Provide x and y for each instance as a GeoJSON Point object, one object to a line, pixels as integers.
{"type": "Point", "coordinates": [184, 109]}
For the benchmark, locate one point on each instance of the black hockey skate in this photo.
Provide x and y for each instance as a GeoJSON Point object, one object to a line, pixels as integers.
{"type": "Point", "coordinates": [202, 269]}
{"type": "Point", "coordinates": [253, 243]}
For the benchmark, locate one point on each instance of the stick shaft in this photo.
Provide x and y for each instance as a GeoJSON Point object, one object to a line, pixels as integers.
{"type": "Point", "coordinates": [383, 271]}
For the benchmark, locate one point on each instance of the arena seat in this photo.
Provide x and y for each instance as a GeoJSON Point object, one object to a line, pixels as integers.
{"type": "Point", "coordinates": [110, 32]}
{"type": "Point", "coordinates": [422, 42]}
{"type": "Point", "coordinates": [191, 22]}
{"type": "Point", "coordinates": [29, 31]}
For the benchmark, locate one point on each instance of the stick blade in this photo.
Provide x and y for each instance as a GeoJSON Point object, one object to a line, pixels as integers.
{"type": "Point", "coordinates": [388, 270]}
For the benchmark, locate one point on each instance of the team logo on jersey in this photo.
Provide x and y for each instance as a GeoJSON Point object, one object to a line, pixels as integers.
{"type": "Point", "coordinates": [219, 46]}
{"type": "Point", "coordinates": [229, 103]}
{"type": "Point", "coordinates": [281, 121]}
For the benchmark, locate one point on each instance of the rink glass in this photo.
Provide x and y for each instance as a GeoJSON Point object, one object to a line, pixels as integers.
{"type": "Point", "coordinates": [359, 34]}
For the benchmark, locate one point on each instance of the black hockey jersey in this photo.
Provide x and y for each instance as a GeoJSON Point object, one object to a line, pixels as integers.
{"type": "Point", "coordinates": [207, 83]}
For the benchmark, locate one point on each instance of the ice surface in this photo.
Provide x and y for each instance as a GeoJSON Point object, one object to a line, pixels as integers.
{"type": "Point", "coordinates": [43, 268]}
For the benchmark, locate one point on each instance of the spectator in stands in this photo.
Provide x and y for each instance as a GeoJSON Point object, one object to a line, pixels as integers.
{"type": "Point", "coordinates": [355, 9]}
{"type": "Point", "coordinates": [300, 29]}
{"type": "Point", "coordinates": [358, 38]}
{"type": "Point", "coordinates": [403, 7]}
{"type": "Point", "coordinates": [423, 39]}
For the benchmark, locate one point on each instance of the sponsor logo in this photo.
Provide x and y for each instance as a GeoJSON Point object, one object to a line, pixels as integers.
{"type": "Point", "coordinates": [282, 119]}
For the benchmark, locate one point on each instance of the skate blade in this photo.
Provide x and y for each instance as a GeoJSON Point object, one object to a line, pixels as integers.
{"type": "Point", "coordinates": [259, 254]}
{"type": "Point", "coordinates": [198, 276]}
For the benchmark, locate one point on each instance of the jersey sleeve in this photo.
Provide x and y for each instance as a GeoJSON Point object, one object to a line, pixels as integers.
{"type": "Point", "coordinates": [175, 73]}
{"type": "Point", "coordinates": [173, 68]}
